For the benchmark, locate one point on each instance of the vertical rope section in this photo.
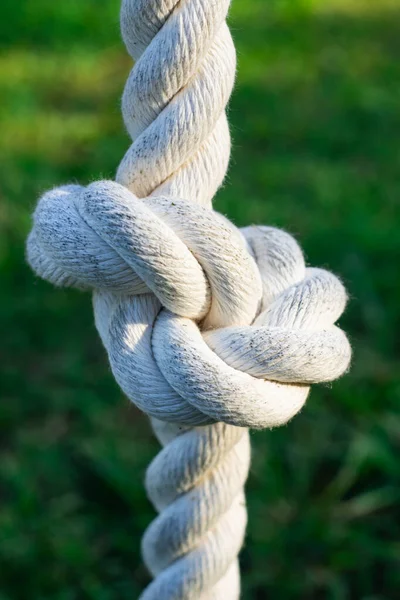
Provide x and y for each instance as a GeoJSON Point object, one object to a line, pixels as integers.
{"type": "Point", "coordinates": [209, 330]}
{"type": "Point", "coordinates": [174, 108]}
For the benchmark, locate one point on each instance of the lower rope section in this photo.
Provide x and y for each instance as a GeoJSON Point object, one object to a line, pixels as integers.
{"type": "Point", "coordinates": [196, 484]}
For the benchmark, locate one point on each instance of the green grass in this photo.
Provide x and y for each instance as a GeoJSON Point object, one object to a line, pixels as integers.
{"type": "Point", "coordinates": [315, 122]}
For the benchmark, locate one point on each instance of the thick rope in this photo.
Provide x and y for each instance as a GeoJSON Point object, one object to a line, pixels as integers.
{"type": "Point", "coordinates": [209, 330]}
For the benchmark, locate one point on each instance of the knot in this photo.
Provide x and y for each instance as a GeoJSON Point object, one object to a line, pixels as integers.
{"type": "Point", "coordinates": [237, 328]}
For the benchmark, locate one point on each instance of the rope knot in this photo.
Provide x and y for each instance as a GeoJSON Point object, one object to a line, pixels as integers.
{"type": "Point", "coordinates": [237, 327]}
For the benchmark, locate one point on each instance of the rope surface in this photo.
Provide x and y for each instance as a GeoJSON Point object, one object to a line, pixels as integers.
{"type": "Point", "coordinates": [208, 329]}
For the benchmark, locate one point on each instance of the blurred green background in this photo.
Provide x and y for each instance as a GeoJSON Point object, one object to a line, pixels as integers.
{"type": "Point", "coordinates": [315, 121]}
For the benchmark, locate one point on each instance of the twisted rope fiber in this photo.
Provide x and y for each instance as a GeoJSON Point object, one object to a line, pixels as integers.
{"type": "Point", "coordinates": [209, 330]}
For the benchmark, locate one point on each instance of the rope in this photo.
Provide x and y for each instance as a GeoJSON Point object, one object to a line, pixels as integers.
{"type": "Point", "coordinates": [208, 329]}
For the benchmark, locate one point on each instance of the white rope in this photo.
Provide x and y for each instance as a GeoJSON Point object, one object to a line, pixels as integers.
{"type": "Point", "coordinates": [208, 330]}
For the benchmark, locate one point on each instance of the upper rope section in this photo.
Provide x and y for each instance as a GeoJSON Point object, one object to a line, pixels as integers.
{"type": "Point", "coordinates": [175, 97]}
